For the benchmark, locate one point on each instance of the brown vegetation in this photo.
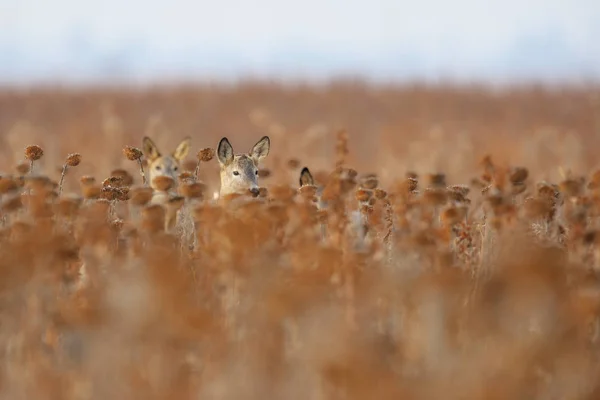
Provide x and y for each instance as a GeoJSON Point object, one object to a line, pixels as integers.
{"type": "Point", "coordinates": [476, 277]}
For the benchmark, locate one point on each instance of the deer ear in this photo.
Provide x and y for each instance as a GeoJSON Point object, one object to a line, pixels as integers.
{"type": "Point", "coordinates": [182, 149]}
{"type": "Point", "coordinates": [306, 177]}
{"type": "Point", "coordinates": [261, 149]}
{"type": "Point", "coordinates": [149, 148]}
{"type": "Point", "coordinates": [225, 152]}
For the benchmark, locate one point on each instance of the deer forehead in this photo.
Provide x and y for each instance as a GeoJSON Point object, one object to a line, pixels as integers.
{"type": "Point", "coordinates": [242, 162]}
{"type": "Point", "coordinates": [165, 161]}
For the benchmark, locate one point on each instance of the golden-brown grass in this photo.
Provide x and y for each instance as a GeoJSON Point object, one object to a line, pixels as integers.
{"type": "Point", "coordinates": [477, 278]}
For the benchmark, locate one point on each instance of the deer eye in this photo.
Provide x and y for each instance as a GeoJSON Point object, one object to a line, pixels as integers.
{"type": "Point", "coordinates": [175, 168]}
{"type": "Point", "coordinates": [236, 173]}
{"type": "Point", "coordinates": [256, 172]}
{"type": "Point", "coordinates": [157, 168]}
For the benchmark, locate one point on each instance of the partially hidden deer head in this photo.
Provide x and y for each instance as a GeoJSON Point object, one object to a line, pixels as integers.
{"type": "Point", "coordinates": [239, 172]}
{"type": "Point", "coordinates": [164, 165]}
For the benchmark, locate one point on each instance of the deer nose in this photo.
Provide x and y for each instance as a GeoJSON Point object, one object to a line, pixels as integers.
{"type": "Point", "coordinates": [254, 191]}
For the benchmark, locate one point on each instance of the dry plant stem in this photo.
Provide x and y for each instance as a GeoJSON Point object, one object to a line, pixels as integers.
{"type": "Point", "coordinates": [142, 173]}
{"type": "Point", "coordinates": [197, 170]}
{"type": "Point", "coordinates": [62, 177]}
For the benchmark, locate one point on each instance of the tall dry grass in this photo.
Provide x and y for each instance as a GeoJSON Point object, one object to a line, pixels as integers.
{"type": "Point", "coordinates": [477, 278]}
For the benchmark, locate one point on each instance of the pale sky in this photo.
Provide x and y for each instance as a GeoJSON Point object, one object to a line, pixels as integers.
{"type": "Point", "coordinates": [74, 40]}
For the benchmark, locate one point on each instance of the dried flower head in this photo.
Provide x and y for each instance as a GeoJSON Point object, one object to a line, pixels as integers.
{"type": "Point", "coordinates": [7, 185]}
{"type": "Point", "coordinates": [186, 176]}
{"type": "Point", "coordinates": [141, 195]}
{"type": "Point", "coordinates": [518, 175]}
{"type": "Point", "coordinates": [73, 160]}
{"type": "Point", "coordinates": [163, 183]}
{"type": "Point", "coordinates": [33, 153]}
{"type": "Point", "coordinates": [132, 153]}
{"type": "Point", "coordinates": [126, 179]}
{"type": "Point", "coordinates": [193, 190]}
{"type": "Point", "coordinates": [207, 154]}
{"type": "Point", "coordinates": [436, 180]}
{"type": "Point", "coordinates": [114, 181]}
{"type": "Point", "coordinates": [91, 191]}
{"type": "Point", "coordinates": [363, 195]}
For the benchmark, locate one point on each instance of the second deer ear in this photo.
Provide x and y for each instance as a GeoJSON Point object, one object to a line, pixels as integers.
{"type": "Point", "coordinates": [182, 149]}
{"type": "Point", "coordinates": [225, 152]}
{"type": "Point", "coordinates": [306, 177]}
{"type": "Point", "coordinates": [149, 148]}
{"type": "Point", "coordinates": [261, 149]}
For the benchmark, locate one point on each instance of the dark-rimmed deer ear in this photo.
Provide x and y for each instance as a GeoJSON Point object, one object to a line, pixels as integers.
{"type": "Point", "coordinates": [306, 177]}
{"type": "Point", "coordinates": [182, 149]}
{"type": "Point", "coordinates": [149, 148]}
{"type": "Point", "coordinates": [225, 152]}
{"type": "Point", "coordinates": [261, 149]}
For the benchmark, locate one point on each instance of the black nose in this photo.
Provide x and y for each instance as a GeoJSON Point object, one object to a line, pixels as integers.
{"type": "Point", "coordinates": [254, 191]}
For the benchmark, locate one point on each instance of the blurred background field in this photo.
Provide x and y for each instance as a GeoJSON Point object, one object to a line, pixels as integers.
{"type": "Point", "coordinates": [478, 275]}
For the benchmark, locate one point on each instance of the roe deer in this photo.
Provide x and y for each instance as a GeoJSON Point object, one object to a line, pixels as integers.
{"type": "Point", "coordinates": [160, 165]}
{"type": "Point", "coordinates": [239, 172]}
{"type": "Point", "coordinates": [356, 219]}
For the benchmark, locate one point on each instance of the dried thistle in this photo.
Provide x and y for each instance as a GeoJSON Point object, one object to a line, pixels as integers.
{"type": "Point", "coordinates": [264, 173]}
{"type": "Point", "coordinates": [518, 175]}
{"type": "Point", "coordinates": [193, 190]}
{"type": "Point", "coordinates": [141, 196]}
{"type": "Point", "coordinates": [163, 183]}
{"type": "Point", "coordinates": [135, 154]}
{"type": "Point", "coordinates": [125, 177]}
{"type": "Point", "coordinates": [33, 153]}
{"type": "Point", "coordinates": [22, 168]}
{"type": "Point", "coordinates": [204, 155]}
{"type": "Point", "coordinates": [7, 185]}
{"type": "Point", "coordinates": [72, 160]}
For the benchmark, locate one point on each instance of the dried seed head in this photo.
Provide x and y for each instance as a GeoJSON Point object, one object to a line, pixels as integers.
{"type": "Point", "coordinates": [436, 180]}
{"type": "Point", "coordinates": [33, 152]}
{"type": "Point", "coordinates": [206, 154]}
{"type": "Point", "coordinates": [141, 195]}
{"type": "Point", "coordinates": [113, 181]}
{"type": "Point", "coordinates": [11, 204]}
{"type": "Point", "coordinates": [380, 194]}
{"type": "Point", "coordinates": [163, 183]}
{"type": "Point", "coordinates": [38, 182]}
{"type": "Point", "coordinates": [518, 188]}
{"type": "Point", "coordinates": [411, 175]}
{"type": "Point", "coordinates": [538, 208]}
{"type": "Point", "coordinates": [193, 190]}
{"type": "Point", "coordinates": [73, 160]}
{"type": "Point", "coordinates": [125, 177]}
{"type": "Point", "coordinates": [186, 176]}
{"type": "Point", "coordinates": [67, 206]}
{"type": "Point", "coordinates": [369, 181]}
{"type": "Point", "coordinates": [518, 175]}
{"type": "Point", "coordinates": [22, 168]}
{"type": "Point", "coordinates": [153, 218]}
{"type": "Point", "coordinates": [263, 192]}
{"type": "Point", "coordinates": [132, 153]}
{"type": "Point", "coordinates": [363, 195]}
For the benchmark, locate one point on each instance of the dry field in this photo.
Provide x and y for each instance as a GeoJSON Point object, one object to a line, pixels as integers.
{"type": "Point", "coordinates": [477, 277]}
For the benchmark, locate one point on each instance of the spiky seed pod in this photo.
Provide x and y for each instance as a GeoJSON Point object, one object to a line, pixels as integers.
{"type": "Point", "coordinates": [206, 154]}
{"type": "Point", "coordinates": [141, 195]}
{"type": "Point", "coordinates": [193, 190]}
{"type": "Point", "coordinates": [538, 208]}
{"type": "Point", "coordinates": [369, 182]}
{"type": "Point", "coordinates": [153, 218]}
{"type": "Point", "coordinates": [132, 153]}
{"type": "Point", "coordinates": [163, 183]}
{"type": "Point", "coordinates": [73, 160]}
{"type": "Point", "coordinates": [38, 182]}
{"type": "Point", "coordinates": [11, 204]}
{"type": "Point", "coordinates": [33, 153]}
{"type": "Point", "coordinates": [68, 206]}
